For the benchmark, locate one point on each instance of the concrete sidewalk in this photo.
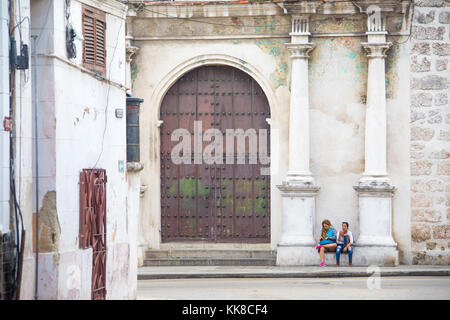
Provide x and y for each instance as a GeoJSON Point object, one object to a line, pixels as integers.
{"type": "Point", "coordinates": [184, 272]}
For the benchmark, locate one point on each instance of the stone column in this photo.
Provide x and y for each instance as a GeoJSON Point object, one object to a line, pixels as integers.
{"type": "Point", "coordinates": [375, 244]}
{"type": "Point", "coordinates": [298, 191]}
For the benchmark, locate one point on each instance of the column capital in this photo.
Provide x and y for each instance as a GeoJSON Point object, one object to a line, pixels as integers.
{"type": "Point", "coordinates": [130, 48]}
{"type": "Point", "coordinates": [300, 50]}
{"type": "Point", "coordinates": [375, 188]}
{"type": "Point", "coordinates": [376, 49]}
{"type": "Point", "coordinates": [300, 25]}
{"type": "Point", "coordinates": [130, 51]}
{"type": "Point", "coordinates": [305, 189]}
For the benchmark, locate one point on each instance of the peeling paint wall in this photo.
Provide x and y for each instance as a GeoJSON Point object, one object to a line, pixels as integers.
{"type": "Point", "coordinates": [338, 86]}
{"type": "Point", "coordinates": [49, 228]}
{"type": "Point", "coordinates": [78, 129]}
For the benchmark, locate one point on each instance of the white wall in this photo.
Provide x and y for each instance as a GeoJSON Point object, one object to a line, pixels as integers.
{"type": "Point", "coordinates": [75, 108]}
{"type": "Point", "coordinates": [338, 86]}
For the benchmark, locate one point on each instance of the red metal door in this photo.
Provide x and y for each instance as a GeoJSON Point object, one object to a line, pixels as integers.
{"type": "Point", "coordinates": [93, 225]}
{"type": "Point", "coordinates": [217, 202]}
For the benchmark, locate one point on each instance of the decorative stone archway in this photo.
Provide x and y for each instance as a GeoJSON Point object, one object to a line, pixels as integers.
{"type": "Point", "coordinates": [210, 191]}
{"type": "Point", "coordinates": [177, 72]}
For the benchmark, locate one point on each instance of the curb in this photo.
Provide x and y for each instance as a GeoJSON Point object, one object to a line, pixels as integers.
{"type": "Point", "coordinates": [326, 274]}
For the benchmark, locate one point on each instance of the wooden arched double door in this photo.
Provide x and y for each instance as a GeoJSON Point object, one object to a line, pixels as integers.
{"type": "Point", "coordinates": [219, 202]}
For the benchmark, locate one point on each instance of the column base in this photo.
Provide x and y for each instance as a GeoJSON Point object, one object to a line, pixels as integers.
{"type": "Point", "coordinates": [292, 255]}
{"type": "Point", "coordinates": [299, 178]}
{"type": "Point", "coordinates": [375, 245]}
{"type": "Point", "coordinates": [298, 201]}
{"type": "Point", "coordinates": [383, 256]}
{"type": "Point", "coordinates": [296, 255]}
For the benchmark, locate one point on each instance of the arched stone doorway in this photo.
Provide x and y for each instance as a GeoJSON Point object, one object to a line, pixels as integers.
{"type": "Point", "coordinates": [224, 201]}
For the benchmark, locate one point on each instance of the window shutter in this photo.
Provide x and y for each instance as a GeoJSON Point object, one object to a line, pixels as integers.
{"type": "Point", "coordinates": [89, 40]}
{"type": "Point", "coordinates": [100, 43]}
{"type": "Point", "coordinates": [94, 33]}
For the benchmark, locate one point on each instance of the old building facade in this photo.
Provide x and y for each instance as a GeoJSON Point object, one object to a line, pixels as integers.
{"type": "Point", "coordinates": [356, 98]}
{"type": "Point", "coordinates": [340, 109]}
{"type": "Point", "coordinates": [76, 175]}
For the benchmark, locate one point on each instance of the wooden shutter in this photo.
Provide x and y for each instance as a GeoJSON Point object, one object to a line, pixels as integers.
{"type": "Point", "coordinates": [93, 225]}
{"type": "Point", "coordinates": [94, 45]}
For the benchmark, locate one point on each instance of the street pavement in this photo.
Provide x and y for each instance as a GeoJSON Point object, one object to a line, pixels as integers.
{"type": "Point", "coordinates": [186, 272]}
{"type": "Point", "coordinates": [373, 287]}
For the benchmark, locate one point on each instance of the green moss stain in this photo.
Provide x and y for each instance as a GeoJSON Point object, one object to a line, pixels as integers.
{"type": "Point", "coordinates": [339, 59]}
{"type": "Point", "coordinates": [244, 206]}
{"type": "Point", "coordinates": [134, 70]}
{"type": "Point", "coordinates": [266, 25]}
{"type": "Point", "coordinates": [227, 193]}
{"type": "Point", "coordinates": [259, 191]}
{"type": "Point", "coordinates": [392, 71]}
{"type": "Point", "coordinates": [269, 46]}
{"type": "Point", "coordinates": [192, 189]}
{"type": "Point", "coordinates": [279, 77]}
{"type": "Point", "coordinates": [188, 189]}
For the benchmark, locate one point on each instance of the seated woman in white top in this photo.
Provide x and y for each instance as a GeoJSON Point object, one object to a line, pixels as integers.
{"type": "Point", "coordinates": [344, 242]}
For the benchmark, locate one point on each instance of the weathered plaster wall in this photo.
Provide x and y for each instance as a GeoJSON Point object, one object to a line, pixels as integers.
{"type": "Point", "coordinates": [338, 73]}
{"type": "Point", "coordinates": [338, 79]}
{"type": "Point", "coordinates": [252, 56]}
{"type": "Point", "coordinates": [429, 146]}
{"type": "Point", "coordinates": [78, 129]}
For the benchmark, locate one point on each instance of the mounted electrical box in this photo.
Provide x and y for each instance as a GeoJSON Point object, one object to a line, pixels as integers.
{"type": "Point", "coordinates": [19, 62]}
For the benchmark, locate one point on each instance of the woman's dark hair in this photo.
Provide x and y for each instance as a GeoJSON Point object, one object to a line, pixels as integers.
{"type": "Point", "coordinates": [345, 223]}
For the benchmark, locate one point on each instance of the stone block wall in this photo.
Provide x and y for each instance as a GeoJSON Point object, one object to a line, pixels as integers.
{"type": "Point", "coordinates": [430, 132]}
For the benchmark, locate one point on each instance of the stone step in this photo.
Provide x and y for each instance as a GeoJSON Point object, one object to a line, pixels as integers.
{"type": "Point", "coordinates": [205, 261]}
{"type": "Point", "coordinates": [330, 259]}
{"type": "Point", "coordinates": [211, 253]}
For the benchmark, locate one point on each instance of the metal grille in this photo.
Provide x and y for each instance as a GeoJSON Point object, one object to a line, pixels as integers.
{"type": "Point", "coordinates": [219, 202]}
{"type": "Point", "coordinates": [93, 225]}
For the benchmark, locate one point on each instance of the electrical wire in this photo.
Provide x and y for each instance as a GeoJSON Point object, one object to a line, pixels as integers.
{"type": "Point", "coordinates": [108, 92]}
{"type": "Point", "coordinates": [396, 43]}
{"type": "Point", "coordinates": [18, 217]}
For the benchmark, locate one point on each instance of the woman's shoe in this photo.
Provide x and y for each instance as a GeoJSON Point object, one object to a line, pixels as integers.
{"type": "Point", "coordinates": [322, 264]}
{"type": "Point", "coordinates": [318, 246]}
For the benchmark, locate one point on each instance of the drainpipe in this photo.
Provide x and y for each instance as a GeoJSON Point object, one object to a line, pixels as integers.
{"type": "Point", "coordinates": [37, 166]}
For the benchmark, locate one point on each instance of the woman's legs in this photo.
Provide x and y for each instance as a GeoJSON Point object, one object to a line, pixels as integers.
{"type": "Point", "coordinates": [338, 254]}
{"type": "Point", "coordinates": [322, 254]}
{"type": "Point", "coordinates": [350, 255]}
{"type": "Point", "coordinates": [330, 247]}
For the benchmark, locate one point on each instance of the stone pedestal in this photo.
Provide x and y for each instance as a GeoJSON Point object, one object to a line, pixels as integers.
{"type": "Point", "coordinates": [296, 246]}
{"type": "Point", "coordinates": [375, 244]}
